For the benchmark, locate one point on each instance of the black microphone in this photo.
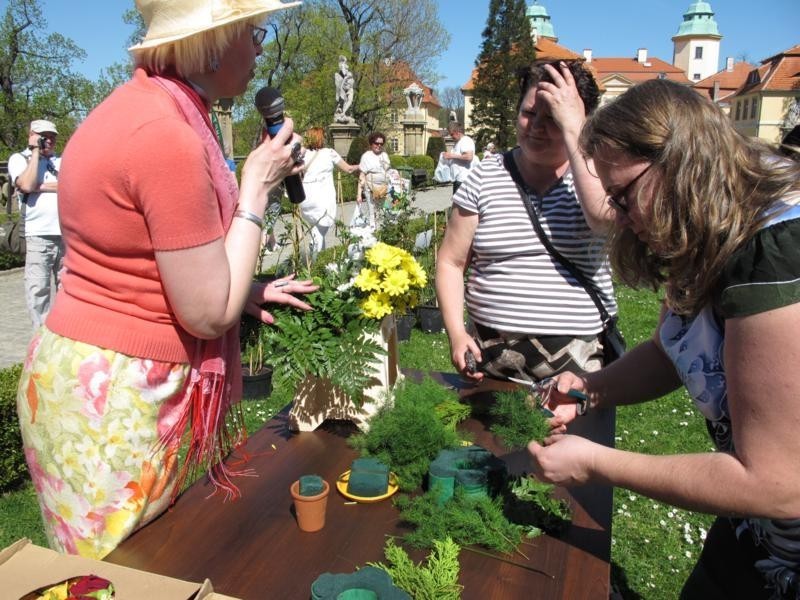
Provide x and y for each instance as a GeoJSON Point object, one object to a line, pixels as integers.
{"type": "Point", "coordinates": [269, 104]}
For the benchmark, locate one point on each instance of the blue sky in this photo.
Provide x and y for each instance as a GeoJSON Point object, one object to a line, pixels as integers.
{"type": "Point", "coordinates": [610, 28]}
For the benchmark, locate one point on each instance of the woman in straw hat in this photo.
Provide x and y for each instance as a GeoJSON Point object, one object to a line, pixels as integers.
{"type": "Point", "coordinates": [142, 341]}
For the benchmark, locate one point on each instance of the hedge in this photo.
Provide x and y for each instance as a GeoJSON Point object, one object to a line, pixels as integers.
{"type": "Point", "coordinates": [13, 470]}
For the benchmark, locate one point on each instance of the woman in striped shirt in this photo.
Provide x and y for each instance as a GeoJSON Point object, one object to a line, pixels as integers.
{"type": "Point", "coordinates": [531, 318]}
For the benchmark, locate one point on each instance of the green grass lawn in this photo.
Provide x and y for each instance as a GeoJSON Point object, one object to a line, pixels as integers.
{"type": "Point", "coordinates": [654, 546]}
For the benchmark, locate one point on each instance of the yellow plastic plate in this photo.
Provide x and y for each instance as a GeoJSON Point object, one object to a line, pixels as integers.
{"type": "Point", "coordinates": [341, 485]}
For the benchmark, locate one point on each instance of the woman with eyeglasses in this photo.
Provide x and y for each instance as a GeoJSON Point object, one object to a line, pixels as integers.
{"type": "Point", "coordinates": [713, 220]}
{"type": "Point", "coordinates": [374, 166]}
{"type": "Point", "coordinates": [530, 317]}
{"type": "Point", "coordinates": [141, 346]}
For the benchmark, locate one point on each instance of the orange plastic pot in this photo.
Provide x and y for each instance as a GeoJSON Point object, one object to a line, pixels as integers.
{"type": "Point", "coordinates": [310, 510]}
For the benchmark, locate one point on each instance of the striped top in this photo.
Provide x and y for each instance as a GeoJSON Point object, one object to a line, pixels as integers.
{"type": "Point", "coordinates": [513, 284]}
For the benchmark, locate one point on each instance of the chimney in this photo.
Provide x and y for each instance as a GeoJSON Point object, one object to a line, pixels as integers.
{"type": "Point", "coordinates": [715, 92]}
{"type": "Point", "coordinates": [729, 64]}
{"type": "Point", "coordinates": [641, 55]}
{"type": "Point", "coordinates": [587, 54]}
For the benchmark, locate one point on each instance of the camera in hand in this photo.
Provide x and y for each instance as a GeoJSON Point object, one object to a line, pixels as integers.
{"type": "Point", "coordinates": [42, 141]}
{"type": "Point", "coordinates": [269, 103]}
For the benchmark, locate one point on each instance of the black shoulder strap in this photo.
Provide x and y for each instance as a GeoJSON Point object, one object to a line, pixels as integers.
{"type": "Point", "coordinates": [511, 167]}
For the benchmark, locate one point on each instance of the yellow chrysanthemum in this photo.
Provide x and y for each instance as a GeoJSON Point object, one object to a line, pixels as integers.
{"type": "Point", "coordinates": [396, 283]}
{"type": "Point", "coordinates": [416, 273]}
{"type": "Point", "coordinates": [376, 306]}
{"type": "Point", "coordinates": [384, 257]}
{"type": "Point", "coordinates": [368, 280]}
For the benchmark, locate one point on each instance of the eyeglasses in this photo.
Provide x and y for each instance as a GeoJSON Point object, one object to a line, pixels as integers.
{"type": "Point", "coordinates": [259, 33]}
{"type": "Point", "coordinates": [620, 200]}
{"type": "Point", "coordinates": [377, 143]}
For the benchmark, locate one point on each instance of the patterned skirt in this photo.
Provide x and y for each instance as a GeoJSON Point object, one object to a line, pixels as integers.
{"type": "Point", "coordinates": [535, 357]}
{"type": "Point", "coordinates": [92, 421]}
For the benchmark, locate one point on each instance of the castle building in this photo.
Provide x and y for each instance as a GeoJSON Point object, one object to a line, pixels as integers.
{"type": "Point", "coordinates": [769, 95]}
{"type": "Point", "coordinates": [696, 45]}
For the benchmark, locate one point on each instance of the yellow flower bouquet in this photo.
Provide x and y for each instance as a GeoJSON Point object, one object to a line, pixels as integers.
{"type": "Point", "coordinates": [392, 280]}
{"type": "Point", "coordinates": [336, 341]}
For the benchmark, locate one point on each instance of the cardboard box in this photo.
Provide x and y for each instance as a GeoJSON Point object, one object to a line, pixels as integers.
{"type": "Point", "coordinates": [25, 567]}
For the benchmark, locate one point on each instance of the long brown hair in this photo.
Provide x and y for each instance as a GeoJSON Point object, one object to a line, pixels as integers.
{"type": "Point", "coordinates": [710, 188]}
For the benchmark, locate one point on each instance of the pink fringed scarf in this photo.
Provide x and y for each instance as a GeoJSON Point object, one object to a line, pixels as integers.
{"type": "Point", "coordinates": [216, 372]}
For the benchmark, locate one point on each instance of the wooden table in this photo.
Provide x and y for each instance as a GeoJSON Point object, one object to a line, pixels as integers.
{"type": "Point", "coordinates": [252, 548]}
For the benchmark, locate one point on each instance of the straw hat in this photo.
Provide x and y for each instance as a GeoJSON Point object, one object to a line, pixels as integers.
{"type": "Point", "coordinates": [170, 20]}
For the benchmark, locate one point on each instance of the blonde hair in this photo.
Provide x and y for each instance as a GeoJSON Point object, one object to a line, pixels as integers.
{"type": "Point", "coordinates": [314, 138]}
{"type": "Point", "coordinates": [193, 54]}
{"type": "Point", "coordinates": [710, 188]}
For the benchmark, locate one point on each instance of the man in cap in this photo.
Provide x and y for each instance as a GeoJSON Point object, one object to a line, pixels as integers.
{"type": "Point", "coordinates": [34, 172]}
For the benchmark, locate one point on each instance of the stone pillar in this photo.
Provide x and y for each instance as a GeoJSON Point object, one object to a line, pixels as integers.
{"type": "Point", "coordinates": [414, 133]}
{"type": "Point", "coordinates": [223, 108]}
{"type": "Point", "coordinates": [342, 135]}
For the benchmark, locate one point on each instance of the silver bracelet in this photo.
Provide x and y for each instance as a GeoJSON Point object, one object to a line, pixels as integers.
{"type": "Point", "coordinates": [252, 217]}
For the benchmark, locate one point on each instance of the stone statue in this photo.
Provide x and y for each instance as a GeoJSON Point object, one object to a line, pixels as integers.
{"type": "Point", "coordinates": [413, 95]}
{"type": "Point", "coordinates": [344, 92]}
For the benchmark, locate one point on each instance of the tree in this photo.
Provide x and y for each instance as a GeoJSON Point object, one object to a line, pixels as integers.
{"type": "Point", "coordinates": [452, 100]}
{"type": "Point", "coordinates": [507, 47]}
{"type": "Point", "coordinates": [374, 35]}
{"type": "Point", "coordinates": [36, 77]}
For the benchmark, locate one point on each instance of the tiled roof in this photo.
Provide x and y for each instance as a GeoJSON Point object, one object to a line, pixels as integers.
{"type": "Point", "coordinates": [779, 73]}
{"type": "Point", "coordinates": [729, 81]}
{"type": "Point", "coordinates": [546, 50]}
{"type": "Point", "coordinates": [403, 75]}
{"type": "Point", "coordinates": [636, 72]}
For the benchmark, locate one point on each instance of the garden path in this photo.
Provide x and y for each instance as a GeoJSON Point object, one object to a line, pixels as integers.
{"type": "Point", "coordinates": [15, 326]}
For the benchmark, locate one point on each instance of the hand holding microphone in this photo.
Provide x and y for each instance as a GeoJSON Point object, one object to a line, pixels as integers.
{"type": "Point", "coordinates": [270, 106]}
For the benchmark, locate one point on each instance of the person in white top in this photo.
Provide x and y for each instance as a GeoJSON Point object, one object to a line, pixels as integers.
{"type": "Point", "coordinates": [373, 166]}
{"type": "Point", "coordinates": [319, 207]}
{"type": "Point", "coordinates": [34, 172]}
{"type": "Point", "coordinates": [462, 155]}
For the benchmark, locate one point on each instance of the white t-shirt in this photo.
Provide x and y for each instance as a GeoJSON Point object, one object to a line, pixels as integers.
{"type": "Point", "coordinates": [460, 167]}
{"type": "Point", "coordinates": [374, 166]}
{"type": "Point", "coordinates": [41, 209]}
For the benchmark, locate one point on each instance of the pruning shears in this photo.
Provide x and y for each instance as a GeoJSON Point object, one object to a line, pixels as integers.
{"type": "Point", "coordinates": [543, 389]}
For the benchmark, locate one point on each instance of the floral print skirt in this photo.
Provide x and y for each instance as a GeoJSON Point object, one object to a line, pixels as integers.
{"type": "Point", "coordinates": [92, 423]}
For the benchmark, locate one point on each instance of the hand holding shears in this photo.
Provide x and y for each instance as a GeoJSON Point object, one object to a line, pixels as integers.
{"type": "Point", "coordinates": [543, 389]}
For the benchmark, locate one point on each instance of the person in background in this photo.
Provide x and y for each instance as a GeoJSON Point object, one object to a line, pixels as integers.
{"type": "Point", "coordinates": [34, 172]}
{"type": "Point", "coordinates": [319, 207]}
{"type": "Point", "coordinates": [373, 165]}
{"type": "Point", "coordinates": [141, 346]}
{"type": "Point", "coordinates": [530, 317]}
{"type": "Point", "coordinates": [462, 155]}
{"type": "Point", "coordinates": [790, 144]}
{"type": "Point", "coordinates": [489, 150]}
{"type": "Point", "coordinates": [712, 218]}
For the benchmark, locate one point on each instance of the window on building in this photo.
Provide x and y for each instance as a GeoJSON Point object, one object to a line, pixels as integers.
{"type": "Point", "coordinates": [745, 107]}
{"type": "Point", "coordinates": [753, 106]}
{"type": "Point", "coordinates": [698, 52]}
{"type": "Point", "coordinates": [696, 76]}
{"type": "Point", "coordinates": [394, 117]}
{"type": "Point", "coordinates": [738, 110]}
{"type": "Point", "coordinates": [395, 144]}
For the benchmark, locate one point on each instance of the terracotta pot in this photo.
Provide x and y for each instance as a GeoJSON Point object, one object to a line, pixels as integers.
{"type": "Point", "coordinates": [310, 510]}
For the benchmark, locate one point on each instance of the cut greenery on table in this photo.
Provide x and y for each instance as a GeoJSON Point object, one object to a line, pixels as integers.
{"type": "Point", "coordinates": [516, 420]}
{"type": "Point", "coordinates": [405, 437]}
{"type": "Point", "coordinates": [436, 579]}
